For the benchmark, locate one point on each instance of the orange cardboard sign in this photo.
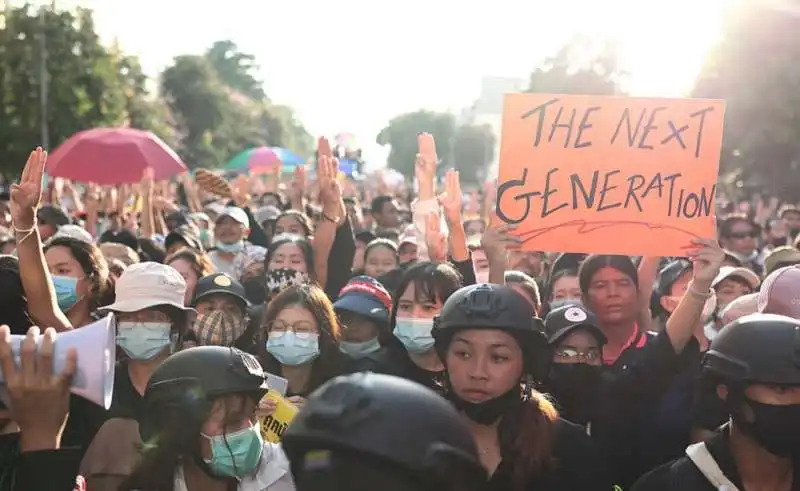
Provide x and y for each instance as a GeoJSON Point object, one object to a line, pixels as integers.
{"type": "Point", "coordinates": [610, 175]}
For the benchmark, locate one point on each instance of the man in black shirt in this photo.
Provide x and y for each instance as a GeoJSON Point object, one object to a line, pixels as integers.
{"type": "Point", "coordinates": [754, 364]}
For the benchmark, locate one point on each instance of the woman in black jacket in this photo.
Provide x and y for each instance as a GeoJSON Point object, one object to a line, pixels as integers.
{"type": "Point", "coordinates": [492, 347]}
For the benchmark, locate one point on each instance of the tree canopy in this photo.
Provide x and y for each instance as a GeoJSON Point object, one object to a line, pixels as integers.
{"type": "Point", "coordinates": [751, 69]}
{"type": "Point", "coordinates": [208, 107]}
{"type": "Point", "coordinates": [466, 147]}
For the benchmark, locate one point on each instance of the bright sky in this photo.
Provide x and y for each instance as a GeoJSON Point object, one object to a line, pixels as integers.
{"type": "Point", "coordinates": [351, 65]}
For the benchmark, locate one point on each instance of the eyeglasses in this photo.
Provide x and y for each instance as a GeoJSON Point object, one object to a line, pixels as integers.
{"type": "Point", "coordinates": [743, 235]}
{"type": "Point", "coordinates": [302, 329]}
{"type": "Point", "coordinates": [573, 355]}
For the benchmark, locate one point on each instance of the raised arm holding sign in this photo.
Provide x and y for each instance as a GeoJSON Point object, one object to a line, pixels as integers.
{"type": "Point", "coordinates": [611, 175]}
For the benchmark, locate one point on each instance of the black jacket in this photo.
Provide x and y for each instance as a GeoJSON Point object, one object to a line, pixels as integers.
{"type": "Point", "coordinates": [579, 466]}
{"type": "Point", "coordinates": [44, 470]}
{"type": "Point", "coordinates": [683, 475]}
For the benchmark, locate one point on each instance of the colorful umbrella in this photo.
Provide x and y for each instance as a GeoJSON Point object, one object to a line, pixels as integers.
{"type": "Point", "coordinates": [253, 159]}
{"type": "Point", "coordinates": [260, 159]}
{"type": "Point", "coordinates": [111, 156]}
{"type": "Point", "coordinates": [289, 159]}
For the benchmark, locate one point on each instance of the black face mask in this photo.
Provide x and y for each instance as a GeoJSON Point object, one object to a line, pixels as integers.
{"type": "Point", "coordinates": [487, 412]}
{"type": "Point", "coordinates": [776, 428]}
{"type": "Point", "coordinates": [255, 290]}
{"type": "Point", "coordinates": [574, 387]}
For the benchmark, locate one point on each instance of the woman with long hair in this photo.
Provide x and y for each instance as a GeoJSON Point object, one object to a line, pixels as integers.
{"type": "Point", "coordinates": [494, 352]}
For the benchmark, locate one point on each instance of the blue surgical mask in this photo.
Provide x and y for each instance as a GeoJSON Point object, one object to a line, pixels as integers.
{"type": "Point", "coordinates": [66, 288]}
{"type": "Point", "coordinates": [289, 349]}
{"type": "Point", "coordinates": [236, 454]}
{"type": "Point", "coordinates": [234, 248]}
{"type": "Point", "coordinates": [143, 341]}
{"type": "Point", "coordinates": [415, 334]}
{"type": "Point", "coordinates": [360, 350]}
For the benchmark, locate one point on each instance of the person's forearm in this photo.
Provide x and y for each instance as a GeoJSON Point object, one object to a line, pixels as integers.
{"type": "Point", "coordinates": [458, 241]}
{"type": "Point", "coordinates": [37, 283]}
{"type": "Point", "coordinates": [681, 323]}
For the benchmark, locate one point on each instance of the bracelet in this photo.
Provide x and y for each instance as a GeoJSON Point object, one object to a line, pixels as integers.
{"type": "Point", "coordinates": [698, 295]}
{"type": "Point", "coordinates": [27, 231]}
{"type": "Point", "coordinates": [334, 221]}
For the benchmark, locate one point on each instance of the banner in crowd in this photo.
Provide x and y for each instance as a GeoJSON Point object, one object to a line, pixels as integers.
{"type": "Point", "coordinates": [613, 175]}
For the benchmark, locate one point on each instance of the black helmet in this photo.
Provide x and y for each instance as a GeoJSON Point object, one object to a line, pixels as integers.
{"type": "Point", "coordinates": [383, 420]}
{"type": "Point", "coordinates": [489, 306]}
{"type": "Point", "coordinates": [757, 348]}
{"type": "Point", "coordinates": [181, 388]}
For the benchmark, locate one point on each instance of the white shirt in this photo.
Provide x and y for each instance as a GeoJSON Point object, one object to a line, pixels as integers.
{"type": "Point", "coordinates": [272, 473]}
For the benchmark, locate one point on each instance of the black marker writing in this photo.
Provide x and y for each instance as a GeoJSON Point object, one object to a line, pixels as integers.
{"type": "Point", "coordinates": [606, 191]}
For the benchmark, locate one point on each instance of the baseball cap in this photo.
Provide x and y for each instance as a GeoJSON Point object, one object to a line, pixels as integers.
{"type": "Point", "coordinates": [365, 296]}
{"type": "Point", "coordinates": [219, 283]}
{"type": "Point", "coordinates": [780, 293]}
{"type": "Point", "coordinates": [236, 213]}
{"type": "Point", "coordinates": [409, 236]}
{"type": "Point", "coordinates": [145, 285]}
{"type": "Point", "coordinates": [560, 322]}
{"type": "Point", "coordinates": [747, 275]}
{"type": "Point", "coordinates": [779, 257]}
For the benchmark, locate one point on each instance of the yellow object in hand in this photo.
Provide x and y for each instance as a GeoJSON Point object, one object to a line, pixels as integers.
{"type": "Point", "coordinates": [273, 426]}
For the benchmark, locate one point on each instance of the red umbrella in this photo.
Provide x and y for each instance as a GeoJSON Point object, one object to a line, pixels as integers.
{"type": "Point", "coordinates": [111, 156]}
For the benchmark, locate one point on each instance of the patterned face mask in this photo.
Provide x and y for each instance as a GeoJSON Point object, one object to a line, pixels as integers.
{"type": "Point", "coordinates": [218, 328]}
{"type": "Point", "coordinates": [279, 279]}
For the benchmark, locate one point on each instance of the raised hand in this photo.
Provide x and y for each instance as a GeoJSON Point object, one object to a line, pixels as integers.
{"type": "Point", "coordinates": [435, 239]}
{"type": "Point", "coordinates": [498, 238]}
{"type": "Point", "coordinates": [425, 165]}
{"type": "Point", "coordinates": [324, 148]}
{"type": "Point", "coordinates": [298, 184]}
{"type": "Point", "coordinates": [706, 259]}
{"type": "Point", "coordinates": [451, 200]}
{"type": "Point", "coordinates": [27, 195]}
{"type": "Point", "coordinates": [39, 398]}
{"type": "Point", "coordinates": [146, 184]}
{"type": "Point", "coordinates": [330, 191]}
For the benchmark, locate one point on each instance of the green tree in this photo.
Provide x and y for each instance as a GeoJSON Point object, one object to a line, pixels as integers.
{"type": "Point", "coordinates": [754, 69]}
{"type": "Point", "coordinates": [143, 110]}
{"type": "Point", "coordinates": [473, 149]}
{"type": "Point", "coordinates": [582, 66]}
{"type": "Point", "coordinates": [84, 87]}
{"type": "Point", "coordinates": [401, 134]}
{"type": "Point", "coordinates": [235, 69]}
{"type": "Point", "coordinates": [198, 101]}
{"type": "Point", "coordinates": [220, 108]}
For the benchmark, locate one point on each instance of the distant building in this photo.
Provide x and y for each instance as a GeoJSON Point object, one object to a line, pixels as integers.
{"type": "Point", "coordinates": [488, 107]}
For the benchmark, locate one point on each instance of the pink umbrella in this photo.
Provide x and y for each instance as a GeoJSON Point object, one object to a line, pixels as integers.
{"type": "Point", "coordinates": [111, 156]}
